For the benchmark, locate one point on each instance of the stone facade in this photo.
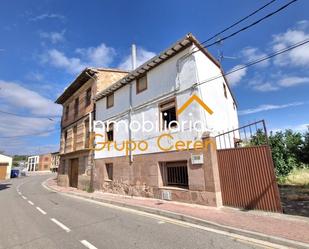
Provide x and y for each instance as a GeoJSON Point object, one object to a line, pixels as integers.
{"type": "Point", "coordinates": [76, 125]}
{"type": "Point", "coordinates": [143, 177]}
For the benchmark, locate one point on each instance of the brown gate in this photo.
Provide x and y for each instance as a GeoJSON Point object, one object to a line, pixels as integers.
{"type": "Point", "coordinates": [3, 170]}
{"type": "Point", "coordinates": [247, 174]}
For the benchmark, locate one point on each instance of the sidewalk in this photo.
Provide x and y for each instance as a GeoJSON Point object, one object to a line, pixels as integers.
{"type": "Point", "coordinates": [269, 226]}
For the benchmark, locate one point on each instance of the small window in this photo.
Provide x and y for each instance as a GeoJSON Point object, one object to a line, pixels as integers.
{"type": "Point", "coordinates": [110, 133]}
{"type": "Point", "coordinates": [88, 97]}
{"type": "Point", "coordinates": [141, 84]}
{"type": "Point", "coordinates": [87, 133]}
{"type": "Point", "coordinates": [74, 137]}
{"type": "Point", "coordinates": [109, 171]}
{"type": "Point", "coordinates": [65, 140]}
{"type": "Point", "coordinates": [234, 106]}
{"type": "Point", "coordinates": [110, 101]}
{"type": "Point", "coordinates": [168, 115]}
{"type": "Point", "coordinates": [76, 106]}
{"type": "Point", "coordinates": [175, 174]}
{"type": "Point", "coordinates": [224, 90]}
{"type": "Point", "coordinates": [66, 112]}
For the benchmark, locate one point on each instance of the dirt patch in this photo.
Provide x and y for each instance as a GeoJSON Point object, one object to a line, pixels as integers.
{"type": "Point", "coordinates": [295, 199]}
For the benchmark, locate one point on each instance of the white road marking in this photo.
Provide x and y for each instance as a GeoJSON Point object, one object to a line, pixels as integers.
{"type": "Point", "coordinates": [24, 197]}
{"type": "Point", "coordinates": [31, 203]}
{"type": "Point", "coordinates": [87, 244]}
{"type": "Point", "coordinates": [186, 224]}
{"type": "Point", "coordinates": [65, 228]}
{"type": "Point", "coordinates": [41, 210]}
{"type": "Point", "coordinates": [161, 222]}
{"type": "Point", "coordinates": [18, 192]}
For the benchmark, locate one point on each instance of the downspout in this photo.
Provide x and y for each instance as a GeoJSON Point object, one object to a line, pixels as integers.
{"type": "Point", "coordinates": [130, 102]}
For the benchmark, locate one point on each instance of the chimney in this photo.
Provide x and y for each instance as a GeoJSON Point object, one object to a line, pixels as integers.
{"type": "Point", "coordinates": [133, 56]}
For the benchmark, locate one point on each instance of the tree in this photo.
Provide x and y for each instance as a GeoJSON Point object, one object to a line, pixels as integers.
{"type": "Point", "coordinates": [304, 151]}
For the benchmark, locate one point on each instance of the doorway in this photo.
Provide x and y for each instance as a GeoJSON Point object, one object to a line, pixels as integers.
{"type": "Point", "coordinates": [73, 173]}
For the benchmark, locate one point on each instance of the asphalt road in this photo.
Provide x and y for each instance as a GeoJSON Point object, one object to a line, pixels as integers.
{"type": "Point", "coordinates": [33, 217]}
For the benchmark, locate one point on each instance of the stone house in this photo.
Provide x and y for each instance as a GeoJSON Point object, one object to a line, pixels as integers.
{"type": "Point", "coordinates": [76, 157]}
{"type": "Point", "coordinates": [166, 165]}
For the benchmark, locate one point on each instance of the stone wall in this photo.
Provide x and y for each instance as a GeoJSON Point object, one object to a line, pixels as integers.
{"type": "Point", "coordinates": [143, 177]}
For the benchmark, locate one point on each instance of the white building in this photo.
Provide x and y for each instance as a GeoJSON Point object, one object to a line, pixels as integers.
{"type": "Point", "coordinates": [154, 92]}
{"type": "Point", "coordinates": [5, 167]}
{"type": "Point", "coordinates": [33, 163]}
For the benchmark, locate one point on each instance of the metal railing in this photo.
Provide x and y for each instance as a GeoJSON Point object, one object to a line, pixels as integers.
{"type": "Point", "coordinates": [248, 135]}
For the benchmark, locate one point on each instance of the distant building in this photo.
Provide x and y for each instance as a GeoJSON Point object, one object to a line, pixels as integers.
{"type": "Point", "coordinates": [41, 162]}
{"type": "Point", "coordinates": [55, 161]}
{"type": "Point", "coordinates": [33, 162]}
{"type": "Point", "coordinates": [5, 167]}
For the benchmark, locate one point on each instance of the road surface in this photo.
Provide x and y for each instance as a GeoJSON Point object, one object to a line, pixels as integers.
{"type": "Point", "coordinates": [33, 217]}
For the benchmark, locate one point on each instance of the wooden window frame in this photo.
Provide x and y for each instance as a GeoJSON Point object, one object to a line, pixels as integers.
{"type": "Point", "coordinates": [110, 105]}
{"type": "Point", "coordinates": [74, 131]}
{"type": "Point", "coordinates": [225, 90]}
{"type": "Point", "coordinates": [106, 133]}
{"type": "Point", "coordinates": [162, 109]}
{"type": "Point", "coordinates": [76, 107]}
{"type": "Point", "coordinates": [66, 112]}
{"type": "Point", "coordinates": [138, 89]}
{"type": "Point", "coordinates": [88, 97]}
{"type": "Point", "coordinates": [109, 167]}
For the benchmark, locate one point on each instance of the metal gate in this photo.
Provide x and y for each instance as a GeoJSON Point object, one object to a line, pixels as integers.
{"type": "Point", "coordinates": [246, 170]}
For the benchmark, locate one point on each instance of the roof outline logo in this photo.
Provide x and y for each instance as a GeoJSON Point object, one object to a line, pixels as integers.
{"type": "Point", "coordinates": [195, 98]}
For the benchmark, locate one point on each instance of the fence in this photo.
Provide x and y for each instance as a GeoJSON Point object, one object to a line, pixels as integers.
{"type": "Point", "coordinates": [246, 169]}
{"type": "Point", "coordinates": [251, 134]}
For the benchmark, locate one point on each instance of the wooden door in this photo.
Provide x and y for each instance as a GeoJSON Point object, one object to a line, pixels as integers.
{"type": "Point", "coordinates": [73, 173]}
{"type": "Point", "coordinates": [3, 169]}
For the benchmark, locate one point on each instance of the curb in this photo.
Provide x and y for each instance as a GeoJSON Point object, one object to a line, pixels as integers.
{"type": "Point", "coordinates": [196, 221]}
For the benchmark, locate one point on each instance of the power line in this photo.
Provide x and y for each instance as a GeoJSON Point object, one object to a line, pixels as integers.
{"type": "Point", "coordinates": [251, 63]}
{"type": "Point", "coordinates": [246, 27]}
{"type": "Point", "coordinates": [26, 116]}
{"type": "Point", "coordinates": [239, 21]}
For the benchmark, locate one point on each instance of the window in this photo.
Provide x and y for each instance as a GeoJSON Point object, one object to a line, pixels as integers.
{"type": "Point", "coordinates": [66, 112]}
{"type": "Point", "coordinates": [168, 115]}
{"type": "Point", "coordinates": [87, 133]}
{"type": "Point", "coordinates": [65, 140]}
{"type": "Point", "coordinates": [141, 84]}
{"type": "Point", "coordinates": [110, 101]}
{"type": "Point", "coordinates": [110, 132]}
{"type": "Point", "coordinates": [109, 171]}
{"type": "Point", "coordinates": [224, 90]}
{"type": "Point", "coordinates": [74, 137]}
{"type": "Point", "coordinates": [175, 174]}
{"type": "Point", "coordinates": [88, 97]}
{"type": "Point", "coordinates": [234, 106]}
{"type": "Point", "coordinates": [76, 106]}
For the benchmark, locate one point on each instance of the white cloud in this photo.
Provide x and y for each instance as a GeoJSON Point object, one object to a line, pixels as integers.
{"type": "Point", "coordinates": [53, 37]}
{"type": "Point", "coordinates": [100, 56]}
{"type": "Point", "coordinates": [268, 107]}
{"type": "Point", "coordinates": [298, 56]}
{"type": "Point", "coordinates": [235, 77]}
{"type": "Point", "coordinates": [252, 54]}
{"type": "Point", "coordinates": [265, 87]}
{"type": "Point", "coordinates": [17, 96]}
{"type": "Point", "coordinates": [48, 16]}
{"type": "Point", "coordinates": [292, 81]}
{"type": "Point", "coordinates": [60, 60]}
{"type": "Point", "coordinates": [142, 56]}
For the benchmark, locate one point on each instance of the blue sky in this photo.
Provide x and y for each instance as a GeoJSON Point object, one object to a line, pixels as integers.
{"type": "Point", "coordinates": [45, 43]}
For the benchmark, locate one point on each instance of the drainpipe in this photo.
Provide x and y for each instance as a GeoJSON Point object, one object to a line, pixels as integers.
{"type": "Point", "coordinates": [130, 100]}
